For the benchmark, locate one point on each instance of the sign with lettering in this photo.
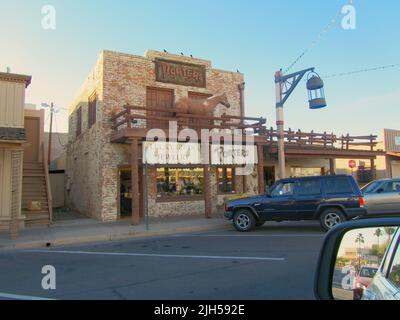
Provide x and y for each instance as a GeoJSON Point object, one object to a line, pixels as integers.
{"type": "Point", "coordinates": [233, 154]}
{"type": "Point", "coordinates": [181, 73]}
{"type": "Point", "coordinates": [171, 153]}
{"type": "Point", "coordinates": [158, 152]}
{"type": "Point", "coordinates": [391, 140]}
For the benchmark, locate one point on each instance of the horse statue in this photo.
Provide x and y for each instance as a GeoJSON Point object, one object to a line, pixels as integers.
{"type": "Point", "coordinates": [202, 106]}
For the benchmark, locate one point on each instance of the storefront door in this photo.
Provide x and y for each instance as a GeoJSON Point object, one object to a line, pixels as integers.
{"type": "Point", "coordinates": [125, 192]}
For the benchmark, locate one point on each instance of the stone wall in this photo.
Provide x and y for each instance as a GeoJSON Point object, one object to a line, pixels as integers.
{"type": "Point", "coordinates": [84, 176]}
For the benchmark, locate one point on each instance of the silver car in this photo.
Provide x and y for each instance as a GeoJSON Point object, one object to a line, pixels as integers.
{"type": "Point", "coordinates": [382, 197]}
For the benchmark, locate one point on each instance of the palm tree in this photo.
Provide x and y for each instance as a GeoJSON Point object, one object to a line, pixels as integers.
{"type": "Point", "coordinates": [360, 241]}
{"type": "Point", "coordinates": [378, 234]}
{"type": "Point", "coordinates": [389, 231]}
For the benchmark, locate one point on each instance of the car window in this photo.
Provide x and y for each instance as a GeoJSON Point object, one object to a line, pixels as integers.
{"type": "Point", "coordinates": [283, 189]}
{"type": "Point", "coordinates": [394, 274]}
{"type": "Point", "coordinates": [388, 187]}
{"type": "Point", "coordinates": [370, 186]}
{"type": "Point", "coordinates": [389, 254]}
{"type": "Point", "coordinates": [368, 272]}
{"type": "Point", "coordinates": [309, 187]}
{"type": "Point", "coordinates": [338, 185]}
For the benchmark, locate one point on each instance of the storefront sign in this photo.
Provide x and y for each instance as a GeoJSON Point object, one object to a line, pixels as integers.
{"type": "Point", "coordinates": [171, 153]}
{"type": "Point", "coordinates": [391, 140]}
{"type": "Point", "coordinates": [190, 153]}
{"type": "Point", "coordinates": [233, 154]}
{"type": "Point", "coordinates": [180, 73]}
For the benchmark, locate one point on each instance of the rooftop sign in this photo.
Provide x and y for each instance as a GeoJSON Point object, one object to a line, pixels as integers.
{"type": "Point", "coordinates": [181, 73]}
{"type": "Point", "coordinates": [392, 140]}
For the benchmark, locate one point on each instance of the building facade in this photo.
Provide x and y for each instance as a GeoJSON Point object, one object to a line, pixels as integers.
{"type": "Point", "coordinates": [12, 142]}
{"type": "Point", "coordinates": [126, 97]}
{"type": "Point", "coordinates": [99, 165]}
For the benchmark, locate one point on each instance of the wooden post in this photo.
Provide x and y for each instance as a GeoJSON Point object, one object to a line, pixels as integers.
{"type": "Point", "coordinates": [135, 182]}
{"type": "Point", "coordinates": [260, 167]}
{"type": "Point", "coordinates": [207, 191]}
{"type": "Point", "coordinates": [332, 166]}
{"type": "Point", "coordinates": [373, 169]}
{"type": "Point", "coordinates": [388, 161]}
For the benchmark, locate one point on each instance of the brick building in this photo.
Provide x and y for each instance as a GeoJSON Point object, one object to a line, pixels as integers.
{"type": "Point", "coordinates": [104, 154]}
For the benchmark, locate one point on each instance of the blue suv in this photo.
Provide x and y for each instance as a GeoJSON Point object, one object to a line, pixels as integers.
{"type": "Point", "coordinates": [329, 199]}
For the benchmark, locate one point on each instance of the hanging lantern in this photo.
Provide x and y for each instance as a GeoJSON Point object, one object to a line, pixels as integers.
{"type": "Point", "coordinates": [316, 95]}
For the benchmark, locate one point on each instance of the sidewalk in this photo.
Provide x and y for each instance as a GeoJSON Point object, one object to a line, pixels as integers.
{"type": "Point", "coordinates": [88, 230]}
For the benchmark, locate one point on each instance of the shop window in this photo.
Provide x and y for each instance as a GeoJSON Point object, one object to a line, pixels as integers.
{"type": "Point", "coordinates": [79, 121]}
{"type": "Point", "coordinates": [226, 180]}
{"type": "Point", "coordinates": [92, 110]}
{"type": "Point", "coordinates": [180, 182]}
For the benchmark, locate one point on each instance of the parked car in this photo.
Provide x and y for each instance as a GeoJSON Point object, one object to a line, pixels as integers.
{"type": "Point", "coordinates": [382, 197]}
{"type": "Point", "coordinates": [385, 284]}
{"type": "Point", "coordinates": [363, 280]}
{"type": "Point", "coordinates": [329, 199]}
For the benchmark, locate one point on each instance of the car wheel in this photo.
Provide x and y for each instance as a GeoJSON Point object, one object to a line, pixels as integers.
{"type": "Point", "coordinates": [260, 223]}
{"type": "Point", "coordinates": [244, 220]}
{"type": "Point", "coordinates": [331, 217]}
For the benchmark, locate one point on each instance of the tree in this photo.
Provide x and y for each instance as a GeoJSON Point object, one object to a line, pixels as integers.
{"type": "Point", "coordinates": [389, 231]}
{"type": "Point", "coordinates": [378, 234]}
{"type": "Point", "coordinates": [360, 241]}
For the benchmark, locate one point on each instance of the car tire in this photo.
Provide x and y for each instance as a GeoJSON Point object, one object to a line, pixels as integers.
{"type": "Point", "coordinates": [244, 220]}
{"type": "Point", "coordinates": [331, 217]}
{"type": "Point", "coordinates": [260, 223]}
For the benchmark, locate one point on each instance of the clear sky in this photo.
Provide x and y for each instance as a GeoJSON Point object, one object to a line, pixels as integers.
{"type": "Point", "coordinates": [256, 37]}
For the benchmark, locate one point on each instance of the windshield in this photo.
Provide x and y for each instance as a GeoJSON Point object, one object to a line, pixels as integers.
{"type": "Point", "coordinates": [370, 186]}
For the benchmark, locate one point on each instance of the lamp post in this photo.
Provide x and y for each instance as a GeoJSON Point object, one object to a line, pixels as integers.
{"type": "Point", "coordinates": [284, 86]}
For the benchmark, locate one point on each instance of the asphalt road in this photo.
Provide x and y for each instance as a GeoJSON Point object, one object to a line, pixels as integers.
{"type": "Point", "coordinates": [276, 261]}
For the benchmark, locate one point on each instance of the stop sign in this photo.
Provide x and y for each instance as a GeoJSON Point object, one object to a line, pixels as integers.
{"type": "Point", "coordinates": [352, 164]}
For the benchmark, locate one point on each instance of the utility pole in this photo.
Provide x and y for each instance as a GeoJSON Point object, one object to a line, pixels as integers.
{"type": "Point", "coordinates": [50, 133]}
{"type": "Point", "coordinates": [280, 125]}
{"type": "Point", "coordinates": [284, 86]}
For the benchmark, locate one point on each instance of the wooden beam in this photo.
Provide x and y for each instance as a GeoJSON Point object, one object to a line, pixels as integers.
{"type": "Point", "coordinates": [260, 167]}
{"type": "Point", "coordinates": [207, 192]}
{"type": "Point", "coordinates": [135, 182]}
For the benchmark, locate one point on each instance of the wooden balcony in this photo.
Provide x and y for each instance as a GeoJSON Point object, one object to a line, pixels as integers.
{"type": "Point", "coordinates": [133, 122]}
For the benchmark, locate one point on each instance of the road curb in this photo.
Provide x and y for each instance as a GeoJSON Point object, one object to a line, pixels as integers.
{"type": "Point", "coordinates": [112, 236]}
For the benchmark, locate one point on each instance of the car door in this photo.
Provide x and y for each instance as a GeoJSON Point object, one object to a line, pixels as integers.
{"type": "Point", "coordinates": [307, 197]}
{"type": "Point", "coordinates": [280, 203]}
{"type": "Point", "coordinates": [385, 199]}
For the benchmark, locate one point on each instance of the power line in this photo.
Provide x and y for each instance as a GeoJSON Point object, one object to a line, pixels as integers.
{"type": "Point", "coordinates": [316, 41]}
{"type": "Point", "coordinates": [342, 74]}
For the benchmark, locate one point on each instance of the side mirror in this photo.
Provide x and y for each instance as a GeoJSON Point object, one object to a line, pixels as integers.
{"type": "Point", "coordinates": [380, 190]}
{"type": "Point", "coordinates": [351, 256]}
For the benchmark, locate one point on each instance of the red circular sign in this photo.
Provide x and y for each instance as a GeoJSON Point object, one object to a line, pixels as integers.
{"type": "Point", "coordinates": [352, 164]}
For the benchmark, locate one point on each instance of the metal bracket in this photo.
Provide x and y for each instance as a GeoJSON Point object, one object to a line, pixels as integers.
{"type": "Point", "coordinates": [289, 83]}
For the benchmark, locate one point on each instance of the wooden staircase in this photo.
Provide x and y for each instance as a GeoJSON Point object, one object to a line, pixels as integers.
{"type": "Point", "coordinates": [35, 187]}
